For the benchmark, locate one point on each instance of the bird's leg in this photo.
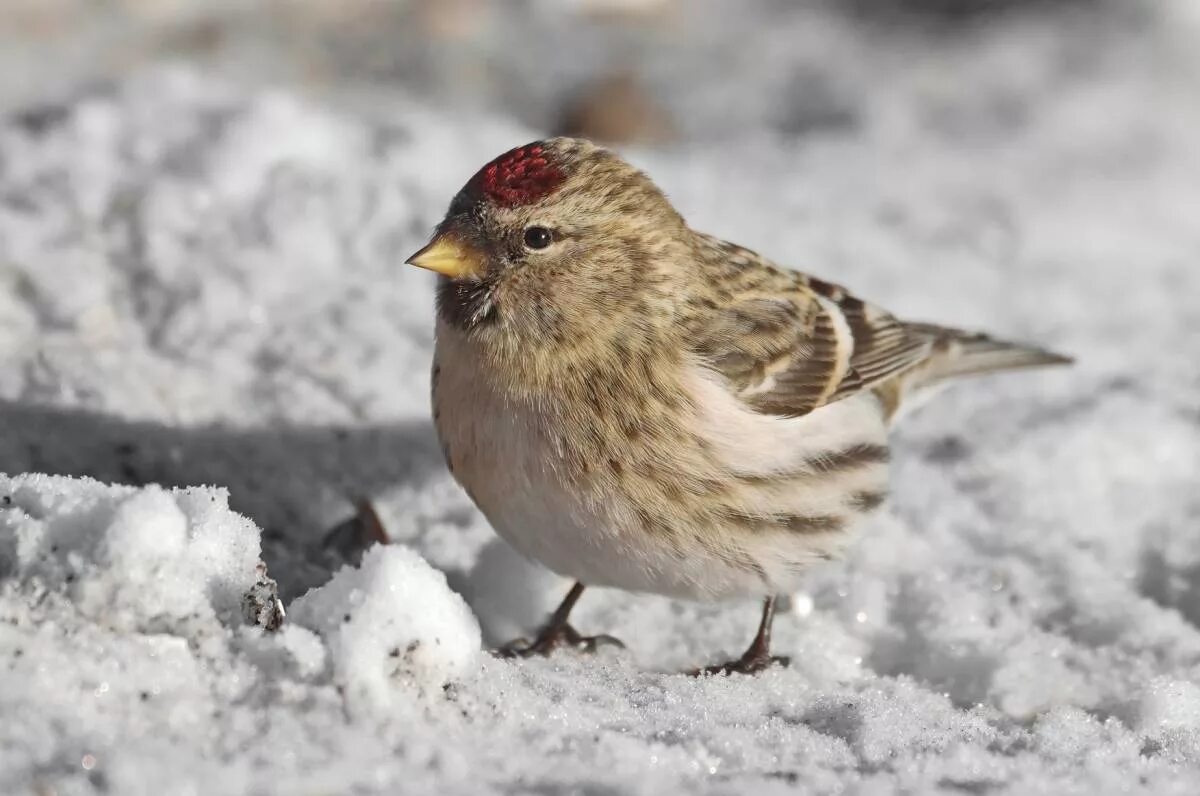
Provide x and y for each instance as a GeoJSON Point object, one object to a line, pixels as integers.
{"type": "Point", "coordinates": [758, 656]}
{"type": "Point", "coordinates": [557, 632]}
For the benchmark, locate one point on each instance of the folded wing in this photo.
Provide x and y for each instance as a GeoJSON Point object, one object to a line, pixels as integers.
{"type": "Point", "coordinates": [788, 343]}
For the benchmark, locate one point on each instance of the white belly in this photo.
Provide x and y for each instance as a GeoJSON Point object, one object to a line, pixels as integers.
{"type": "Point", "coordinates": [508, 456]}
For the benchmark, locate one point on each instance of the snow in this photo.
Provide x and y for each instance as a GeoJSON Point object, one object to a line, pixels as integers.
{"type": "Point", "coordinates": [134, 560]}
{"type": "Point", "coordinates": [391, 619]}
{"type": "Point", "coordinates": [201, 283]}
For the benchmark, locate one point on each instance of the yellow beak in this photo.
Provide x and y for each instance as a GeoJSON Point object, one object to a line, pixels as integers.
{"type": "Point", "coordinates": [450, 257]}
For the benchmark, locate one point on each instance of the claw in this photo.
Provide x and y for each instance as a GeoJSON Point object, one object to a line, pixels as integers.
{"type": "Point", "coordinates": [551, 639]}
{"type": "Point", "coordinates": [557, 632]}
{"type": "Point", "coordinates": [747, 664]}
{"type": "Point", "coordinates": [593, 643]}
{"type": "Point", "coordinates": [758, 657]}
{"type": "Point", "coordinates": [516, 648]}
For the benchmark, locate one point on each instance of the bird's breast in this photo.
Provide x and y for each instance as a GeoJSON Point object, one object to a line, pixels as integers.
{"type": "Point", "coordinates": [519, 464]}
{"type": "Point", "coordinates": [698, 496]}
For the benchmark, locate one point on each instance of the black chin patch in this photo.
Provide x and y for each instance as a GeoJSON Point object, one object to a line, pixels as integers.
{"type": "Point", "coordinates": [466, 303]}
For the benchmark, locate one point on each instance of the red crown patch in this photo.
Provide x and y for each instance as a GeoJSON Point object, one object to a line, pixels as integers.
{"type": "Point", "coordinates": [518, 177]}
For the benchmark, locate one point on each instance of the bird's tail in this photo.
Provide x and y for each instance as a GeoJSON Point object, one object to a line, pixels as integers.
{"type": "Point", "coordinates": [958, 353]}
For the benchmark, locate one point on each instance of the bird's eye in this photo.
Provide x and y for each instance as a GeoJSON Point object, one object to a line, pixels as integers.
{"type": "Point", "coordinates": [538, 237]}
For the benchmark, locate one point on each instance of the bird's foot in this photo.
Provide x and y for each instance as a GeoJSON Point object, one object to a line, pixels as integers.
{"type": "Point", "coordinates": [750, 663]}
{"type": "Point", "coordinates": [553, 638]}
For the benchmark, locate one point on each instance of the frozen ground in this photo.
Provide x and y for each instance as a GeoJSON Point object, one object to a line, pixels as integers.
{"type": "Point", "coordinates": [201, 284]}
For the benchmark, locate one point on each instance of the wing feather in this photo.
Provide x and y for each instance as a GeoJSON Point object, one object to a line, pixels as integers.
{"type": "Point", "coordinates": [789, 343]}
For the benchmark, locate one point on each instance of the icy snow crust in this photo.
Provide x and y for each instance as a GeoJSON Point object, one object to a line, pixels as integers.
{"type": "Point", "coordinates": [202, 285]}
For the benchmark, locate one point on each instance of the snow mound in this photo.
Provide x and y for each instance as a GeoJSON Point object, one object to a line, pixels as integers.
{"type": "Point", "coordinates": [129, 661]}
{"type": "Point", "coordinates": [389, 623]}
{"type": "Point", "coordinates": [146, 559]}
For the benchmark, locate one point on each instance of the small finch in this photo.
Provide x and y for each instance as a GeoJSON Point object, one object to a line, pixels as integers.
{"type": "Point", "coordinates": [637, 404]}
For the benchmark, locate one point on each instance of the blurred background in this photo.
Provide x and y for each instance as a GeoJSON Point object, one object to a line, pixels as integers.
{"type": "Point", "coordinates": [627, 71]}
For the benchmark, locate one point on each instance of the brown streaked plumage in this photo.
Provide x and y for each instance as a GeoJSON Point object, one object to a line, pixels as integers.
{"type": "Point", "coordinates": [640, 405]}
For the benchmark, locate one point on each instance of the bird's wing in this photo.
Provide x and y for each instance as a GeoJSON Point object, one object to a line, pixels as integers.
{"type": "Point", "coordinates": [789, 343]}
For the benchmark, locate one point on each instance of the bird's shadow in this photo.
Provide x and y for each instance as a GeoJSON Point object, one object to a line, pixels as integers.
{"type": "Point", "coordinates": [294, 482]}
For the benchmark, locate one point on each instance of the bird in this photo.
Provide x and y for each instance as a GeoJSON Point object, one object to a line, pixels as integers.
{"type": "Point", "coordinates": [636, 404]}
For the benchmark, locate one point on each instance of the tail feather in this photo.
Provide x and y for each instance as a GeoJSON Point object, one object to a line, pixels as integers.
{"type": "Point", "coordinates": [958, 353]}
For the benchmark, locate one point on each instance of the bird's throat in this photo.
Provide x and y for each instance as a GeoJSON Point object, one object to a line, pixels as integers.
{"type": "Point", "coordinates": [466, 304]}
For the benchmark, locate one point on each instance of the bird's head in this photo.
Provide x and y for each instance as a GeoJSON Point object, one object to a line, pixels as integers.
{"type": "Point", "coordinates": [546, 236]}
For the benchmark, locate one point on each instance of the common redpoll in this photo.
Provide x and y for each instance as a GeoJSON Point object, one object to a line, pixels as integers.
{"type": "Point", "coordinates": [637, 404]}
